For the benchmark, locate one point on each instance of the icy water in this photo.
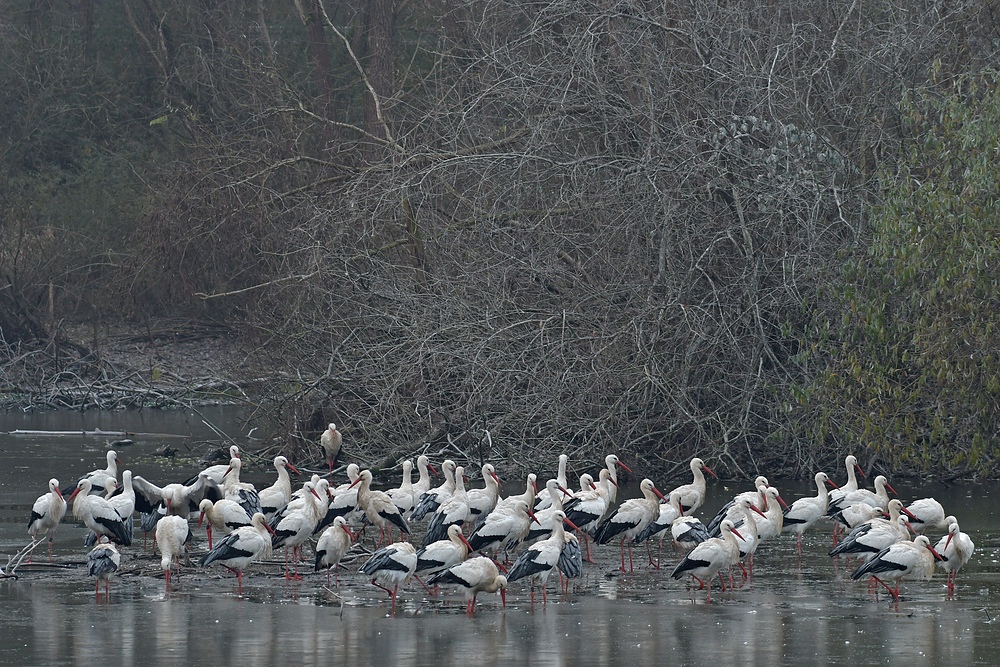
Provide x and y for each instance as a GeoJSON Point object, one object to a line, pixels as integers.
{"type": "Point", "coordinates": [794, 613]}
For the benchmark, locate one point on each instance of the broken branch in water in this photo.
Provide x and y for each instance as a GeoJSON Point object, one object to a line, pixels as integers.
{"type": "Point", "coordinates": [9, 571]}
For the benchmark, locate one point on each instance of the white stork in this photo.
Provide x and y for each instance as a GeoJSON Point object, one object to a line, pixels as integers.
{"type": "Point", "coordinates": [542, 557]}
{"type": "Point", "coordinates": [956, 548]}
{"type": "Point", "coordinates": [102, 562]}
{"type": "Point", "coordinates": [630, 519]}
{"type": "Point", "coordinates": [98, 514]}
{"type": "Point", "coordinates": [709, 558]}
{"type": "Point", "coordinates": [474, 576]}
{"type": "Point", "coordinates": [332, 545]}
{"type": "Point", "coordinates": [48, 510]}
{"type": "Point", "coordinates": [900, 560]}
{"type": "Point", "coordinates": [243, 547]}
{"type": "Point", "coordinates": [392, 565]}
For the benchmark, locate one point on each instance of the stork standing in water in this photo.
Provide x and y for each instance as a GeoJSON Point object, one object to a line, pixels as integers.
{"type": "Point", "coordinates": [98, 514]}
{"type": "Point", "coordinates": [331, 440]}
{"type": "Point", "coordinates": [630, 519]}
{"type": "Point", "coordinates": [590, 505]}
{"type": "Point", "coordinates": [956, 547]}
{"type": "Point", "coordinates": [900, 560]}
{"type": "Point", "coordinates": [335, 541]}
{"type": "Point", "coordinates": [804, 512]}
{"type": "Point", "coordinates": [503, 527]}
{"type": "Point", "coordinates": [102, 562]}
{"type": "Point", "coordinates": [392, 565]}
{"type": "Point", "coordinates": [709, 558]}
{"type": "Point", "coordinates": [474, 576]}
{"type": "Point", "coordinates": [243, 547]}
{"type": "Point", "coordinates": [442, 554]}
{"type": "Point", "coordinates": [542, 557]}
{"type": "Point", "coordinates": [379, 508]}
{"type": "Point", "coordinates": [452, 512]}
{"type": "Point", "coordinates": [848, 487]}
{"type": "Point", "coordinates": [293, 526]}
{"type": "Point", "coordinates": [48, 510]}
{"type": "Point", "coordinates": [692, 495]}
{"type": "Point", "coordinates": [172, 533]}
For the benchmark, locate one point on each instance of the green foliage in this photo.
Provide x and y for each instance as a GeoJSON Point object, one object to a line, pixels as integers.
{"type": "Point", "coordinates": [914, 371]}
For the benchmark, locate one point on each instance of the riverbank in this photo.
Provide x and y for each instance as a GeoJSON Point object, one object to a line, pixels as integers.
{"type": "Point", "coordinates": [161, 364]}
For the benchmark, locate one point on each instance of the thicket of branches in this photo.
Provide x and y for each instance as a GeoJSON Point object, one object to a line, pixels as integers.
{"type": "Point", "coordinates": [583, 226]}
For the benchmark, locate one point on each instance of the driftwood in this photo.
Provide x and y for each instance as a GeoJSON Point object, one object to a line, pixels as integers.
{"type": "Point", "coordinates": [9, 571]}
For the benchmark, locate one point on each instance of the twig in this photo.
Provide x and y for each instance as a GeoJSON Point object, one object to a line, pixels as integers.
{"type": "Point", "coordinates": [10, 570]}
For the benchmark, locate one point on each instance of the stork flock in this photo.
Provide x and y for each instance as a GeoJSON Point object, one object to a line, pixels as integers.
{"type": "Point", "coordinates": [477, 541]}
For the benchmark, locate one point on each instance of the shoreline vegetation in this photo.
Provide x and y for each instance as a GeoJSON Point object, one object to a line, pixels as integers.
{"type": "Point", "coordinates": [756, 233]}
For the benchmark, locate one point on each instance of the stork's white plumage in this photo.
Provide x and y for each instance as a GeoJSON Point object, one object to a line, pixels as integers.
{"type": "Point", "coordinates": [913, 560]}
{"type": "Point", "coordinates": [474, 576]}
{"type": "Point", "coordinates": [102, 562]}
{"type": "Point", "coordinates": [530, 491]}
{"type": "Point", "coordinates": [878, 498]}
{"type": "Point", "coordinates": [956, 548]}
{"type": "Point", "coordinates": [483, 501]}
{"type": "Point", "coordinates": [172, 533]}
{"type": "Point", "coordinates": [874, 535]}
{"type": "Point", "coordinates": [238, 491]}
{"type": "Point", "coordinates": [278, 494]}
{"type": "Point", "coordinates": [442, 554]}
{"type": "Point", "coordinates": [848, 487]}
{"type": "Point", "coordinates": [544, 501]}
{"type": "Point", "coordinates": [98, 514]}
{"type": "Point", "coordinates": [392, 565]}
{"type": "Point", "coordinates": [124, 502]}
{"type": "Point", "coordinates": [611, 462]}
{"type": "Point", "coordinates": [693, 495]}
{"type": "Point", "coordinates": [243, 547]}
{"type": "Point", "coordinates": [590, 505]}
{"type": "Point", "coordinates": [215, 473]}
{"type": "Point", "coordinates": [343, 500]}
{"type": "Point", "coordinates": [224, 516]}
{"type": "Point", "coordinates": [378, 507]}
{"type": "Point", "coordinates": [630, 519]}
{"type": "Point", "coordinates": [503, 528]}
{"type": "Point", "coordinates": [292, 527]}
{"type": "Point", "coordinates": [925, 514]}
{"type": "Point", "coordinates": [335, 541]}
{"type": "Point", "coordinates": [178, 499]}
{"type": "Point", "coordinates": [423, 483]}
{"type": "Point", "coordinates": [660, 526]}
{"type": "Point", "coordinates": [46, 513]}
{"type": "Point", "coordinates": [331, 441]}
{"type": "Point", "coordinates": [709, 558]}
{"type": "Point", "coordinates": [757, 497]}
{"type": "Point", "coordinates": [546, 518]}
{"type": "Point", "coordinates": [452, 512]}
{"type": "Point", "coordinates": [773, 521]}
{"type": "Point", "coordinates": [805, 512]}
{"type": "Point", "coordinates": [541, 558]}
{"type": "Point", "coordinates": [402, 496]}
{"type": "Point", "coordinates": [99, 477]}
{"type": "Point", "coordinates": [430, 500]}
{"type": "Point", "coordinates": [688, 532]}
